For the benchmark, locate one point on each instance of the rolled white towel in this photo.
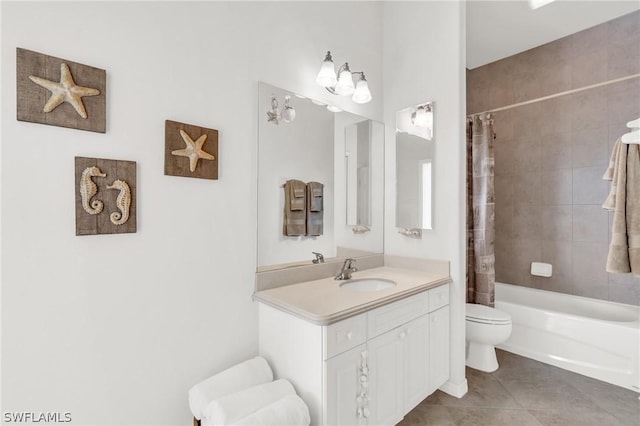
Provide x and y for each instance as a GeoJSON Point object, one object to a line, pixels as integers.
{"type": "Point", "coordinates": [231, 408]}
{"type": "Point", "coordinates": [241, 376]}
{"type": "Point", "coordinates": [289, 410]}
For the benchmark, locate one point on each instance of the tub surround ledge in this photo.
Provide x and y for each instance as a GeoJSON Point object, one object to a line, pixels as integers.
{"type": "Point", "coordinates": [323, 302]}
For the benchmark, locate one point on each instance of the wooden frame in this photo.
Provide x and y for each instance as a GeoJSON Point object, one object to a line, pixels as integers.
{"type": "Point", "coordinates": [80, 103]}
{"type": "Point", "coordinates": [190, 151]}
{"type": "Point", "coordinates": [105, 196]}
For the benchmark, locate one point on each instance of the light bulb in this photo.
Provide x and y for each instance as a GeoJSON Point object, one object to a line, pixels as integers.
{"type": "Point", "coordinates": [361, 95]}
{"type": "Point", "coordinates": [327, 75]}
{"type": "Point", "coordinates": [345, 82]}
{"type": "Point", "coordinates": [288, 112]}
{"type": "Point", "coordinates": [333, 108]}
{"type": "Point", "coordinates": [423, 116]}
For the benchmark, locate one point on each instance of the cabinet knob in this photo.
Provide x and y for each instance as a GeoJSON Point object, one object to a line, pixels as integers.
{"type": "Point", "coordinates": [360, 413]}
{"type": "Point", "coordinates": [366, 413]}
{"type": "Point", "coordinates": [350, 335]}
{"type": "Point", "coordinates": [403, 334]}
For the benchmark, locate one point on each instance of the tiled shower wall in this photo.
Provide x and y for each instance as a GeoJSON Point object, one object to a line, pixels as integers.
{"type": "Point", "coordinates": [550, 156]}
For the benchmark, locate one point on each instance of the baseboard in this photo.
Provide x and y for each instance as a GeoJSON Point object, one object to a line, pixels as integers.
{"type": "Point", "coordinates": [455, 389]}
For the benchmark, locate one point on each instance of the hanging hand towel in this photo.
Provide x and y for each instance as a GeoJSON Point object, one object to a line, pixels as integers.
{"type": "Point", "coordinates": [287, 411]}
{"type": "Point", "coordinates": [624, 200]}
{"type": "Point", "coordinates": [249, 373]}
{"type": "Point", "coordinates": [315, 208]}
{"type": "Point", "coordinates": [294, 208]}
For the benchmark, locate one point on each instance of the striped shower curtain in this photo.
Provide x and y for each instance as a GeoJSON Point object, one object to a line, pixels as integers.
{"type": "Point", "coordinates": [480, 211]}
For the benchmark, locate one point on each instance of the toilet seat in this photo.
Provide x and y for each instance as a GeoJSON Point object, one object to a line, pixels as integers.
{"type": "Point", "coordinates": [486, 315]}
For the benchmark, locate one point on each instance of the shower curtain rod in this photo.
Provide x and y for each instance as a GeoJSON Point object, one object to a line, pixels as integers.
{"type": "Point", "coordinates": [557, 95]}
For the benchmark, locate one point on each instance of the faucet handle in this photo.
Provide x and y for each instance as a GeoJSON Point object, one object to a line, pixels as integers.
{"type": "Point", "coordinates": [319, 257]}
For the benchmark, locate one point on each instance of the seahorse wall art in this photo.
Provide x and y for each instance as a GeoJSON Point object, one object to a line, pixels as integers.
{"type": "Point", "coordinates": [88, 189]}
{"type": "Point", "coordinates": [100, 209]}
{"type": "Point", "coordinates": [123, 202]}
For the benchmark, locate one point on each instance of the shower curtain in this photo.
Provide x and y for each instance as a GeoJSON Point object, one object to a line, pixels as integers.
{"type": "Point", "coordinates": [480, 211]}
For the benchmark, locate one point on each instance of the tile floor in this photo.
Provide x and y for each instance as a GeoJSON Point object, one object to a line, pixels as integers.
{"type": "Point", "coordinates": [525, 392]}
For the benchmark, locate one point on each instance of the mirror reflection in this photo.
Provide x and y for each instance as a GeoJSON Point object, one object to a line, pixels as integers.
{"type": "Point", "coordinates": [357, 159]}
{"type": "Point", "coordinates": [320, 178]}
{"type": "Point", "coordinates": [414, 168]}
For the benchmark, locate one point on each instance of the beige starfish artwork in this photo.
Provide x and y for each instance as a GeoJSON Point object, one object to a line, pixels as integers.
{"type": "Point", "coordinates": [65, 91]}
{"type": "Point", "coordinates": [193, 150]}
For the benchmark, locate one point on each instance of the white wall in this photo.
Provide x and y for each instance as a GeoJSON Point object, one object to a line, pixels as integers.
{"type": "Point", "coordinates": [115, 329]}
{"type": "Point", "coordinates": [424, 61]}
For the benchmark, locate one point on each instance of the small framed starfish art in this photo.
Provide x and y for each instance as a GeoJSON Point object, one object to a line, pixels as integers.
{"type": "Point", "coordinates": [190, 151]}
{"type": "Point", "coordinates": [61, 93]}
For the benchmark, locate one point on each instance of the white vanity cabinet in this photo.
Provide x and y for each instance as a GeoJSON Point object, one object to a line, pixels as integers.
{"type": "Point", "coordinates": [367, 370]}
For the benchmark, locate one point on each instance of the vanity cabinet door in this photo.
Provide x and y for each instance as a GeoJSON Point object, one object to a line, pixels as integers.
{"type": "Point", "coordinates": [438, 348]}
{"type": "Point", "coordinates": [386, 377]}
{"type": "Point", "coordinates": [416, 362]}
{"type": "Point", "coordinates": [343, 388]}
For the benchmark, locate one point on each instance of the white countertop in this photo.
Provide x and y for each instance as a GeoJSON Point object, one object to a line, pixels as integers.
{"type": "Point", "coordinates": [323, 302]}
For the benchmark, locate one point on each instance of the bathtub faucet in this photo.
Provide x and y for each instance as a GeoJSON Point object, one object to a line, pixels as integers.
{"type": "Point", "coordinates": [347, 270]}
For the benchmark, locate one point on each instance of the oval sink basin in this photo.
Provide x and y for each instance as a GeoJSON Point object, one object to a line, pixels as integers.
{"type": "Point", "coordinates": [367, 284]}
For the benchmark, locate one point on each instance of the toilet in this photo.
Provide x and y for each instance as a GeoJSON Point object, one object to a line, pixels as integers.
{"type": "Point", "coordinates": [485, 327]}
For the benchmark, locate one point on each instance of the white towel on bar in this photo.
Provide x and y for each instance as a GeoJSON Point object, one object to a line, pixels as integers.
{"type": "Point", "coordinates": [231, 408]}
{"type": "Point", "coordinates": [287, 411]}
{"type": "Point", "coordinates": [244, 375]}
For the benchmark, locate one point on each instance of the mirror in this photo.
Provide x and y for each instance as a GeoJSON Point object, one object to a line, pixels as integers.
{"type": "Point", "coordinates": [357, 160]}
{"type": "Point", "coordinates": [414, 169]}
{"type": "Point", "coordinates": [299, 138]}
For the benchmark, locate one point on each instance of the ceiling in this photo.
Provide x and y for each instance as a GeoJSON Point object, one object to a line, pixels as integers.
{"type": "Point", "coordinates": [498, 29]}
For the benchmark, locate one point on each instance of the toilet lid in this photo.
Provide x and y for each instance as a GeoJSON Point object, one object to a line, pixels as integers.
{"type": "Point", "coordinates": [482, 313]}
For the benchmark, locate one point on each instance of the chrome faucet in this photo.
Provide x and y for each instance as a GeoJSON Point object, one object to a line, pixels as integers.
{"type": "Point", "coordinates": [319, 257]}
{"type": "Point", "coordinates": [347, 270]}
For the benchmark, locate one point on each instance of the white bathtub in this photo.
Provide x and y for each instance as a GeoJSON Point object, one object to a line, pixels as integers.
{"type": "Point", "coordinates": [588, 336]}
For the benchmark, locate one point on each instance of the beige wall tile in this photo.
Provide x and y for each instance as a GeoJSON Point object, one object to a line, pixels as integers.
{"type": "Point", "coordinates": [526, 154]}
{"type": "Point", "coordinates": [588, 185]}
{"type": "Point", "coordinates": [590, 224]}
{"type": "Point", "coordinates": [557, 151]}
{"type": "Point", "coordinates": [557, 223]}
{"type": "Point", "coordinates": [527, 222]}
{"type": "Point", "coordinates": [527, 188]}
{"type": "Point", "coordinates": [588, 69]}
{"type": "Point", "coordinates": [625, 27]}
{"type": "Point", "coordinates": [557, 187]}
{"type": "Point", "coordinates": [625, 293]}
{"type": "Point", "coordinates": [623, 100]}
{"type": "Point", "coordinates": [503, 154]}
{"type": "Point", "coordinates": [560, 255]}
{"type": "Point", "coordinates": [588, 109]}
{"type": "Point", "coordinates": [589, 263]}
{"type": "Point", "coordinates": [622, 57]}
{"type": "Point", "coordinates": [590, 147]}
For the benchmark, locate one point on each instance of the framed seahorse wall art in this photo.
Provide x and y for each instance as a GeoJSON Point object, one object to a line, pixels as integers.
{"type": "Point", "coordinates": [61, 93]}
{"type": "Point", "coordinates": [190, 151]}
{"type": "Point", "coordinates": [105, 196]}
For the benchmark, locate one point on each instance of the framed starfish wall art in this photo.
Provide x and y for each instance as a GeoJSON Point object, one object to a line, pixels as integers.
{"type": "Point", "coordinates": [190, 151]}
{"type": "Point", "coordinates": [105, 196]}
{"type": "Point", "coordinates": [61, 93]}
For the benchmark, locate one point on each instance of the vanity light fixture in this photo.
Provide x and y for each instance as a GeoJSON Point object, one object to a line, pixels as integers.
{"type": "Point", "coordinates": [342, 82]}
{"type": "Point", "coordinates": [288, 113]}
{"type": "Point", "coordinates": [423, 116]}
